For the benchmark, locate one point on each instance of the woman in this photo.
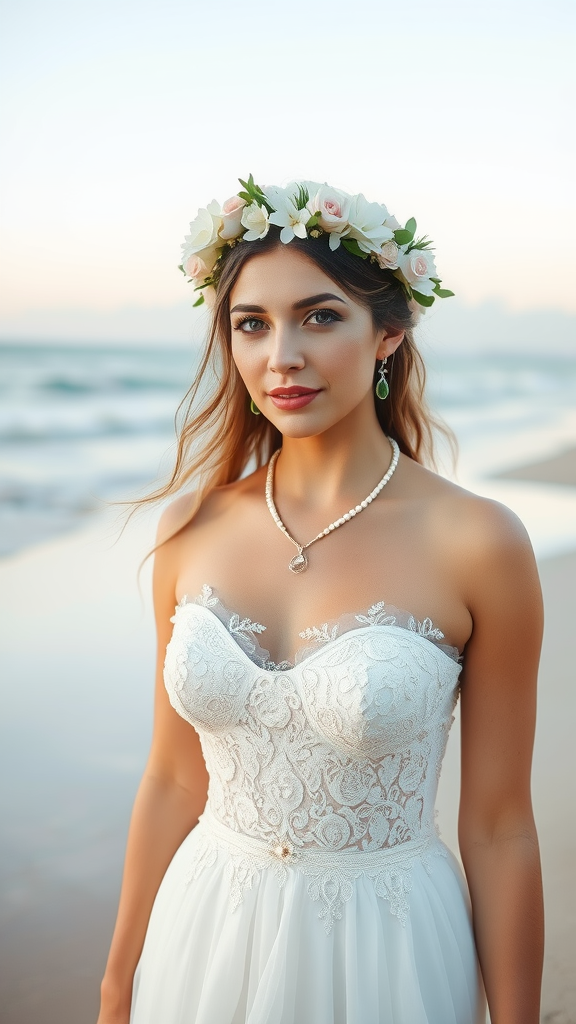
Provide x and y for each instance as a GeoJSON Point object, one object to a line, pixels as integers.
{"type": "Point", "coordinates": [282, 863]}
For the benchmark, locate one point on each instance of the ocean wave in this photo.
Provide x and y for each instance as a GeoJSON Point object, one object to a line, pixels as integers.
{"type": "Point", "coordinates": [107, 386]}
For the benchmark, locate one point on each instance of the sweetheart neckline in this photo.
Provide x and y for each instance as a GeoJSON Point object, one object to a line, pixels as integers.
{"type": "Point", "coordinates": [303, 663]}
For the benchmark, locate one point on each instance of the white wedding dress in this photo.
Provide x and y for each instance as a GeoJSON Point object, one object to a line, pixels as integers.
{"type": "Point", "coordinates": [314, 889]}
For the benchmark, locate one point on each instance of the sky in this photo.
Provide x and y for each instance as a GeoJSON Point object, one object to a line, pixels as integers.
{"type": "Point", "coordinates": [121, 118]}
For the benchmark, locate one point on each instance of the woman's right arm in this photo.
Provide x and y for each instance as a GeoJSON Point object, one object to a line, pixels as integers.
{"type": "Point", "coordinates": [170, 799]}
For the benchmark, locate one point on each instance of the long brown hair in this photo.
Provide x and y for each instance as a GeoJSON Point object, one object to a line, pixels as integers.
{"type": "Point", "coordinates": [218, 435]}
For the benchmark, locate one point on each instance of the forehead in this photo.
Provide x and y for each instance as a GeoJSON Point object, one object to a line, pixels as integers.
{"type": "Point", "coordinates": [280, 278]}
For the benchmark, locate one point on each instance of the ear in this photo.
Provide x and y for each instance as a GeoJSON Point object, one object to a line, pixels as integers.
{"type": "Point", "coordinates": [388, 343]}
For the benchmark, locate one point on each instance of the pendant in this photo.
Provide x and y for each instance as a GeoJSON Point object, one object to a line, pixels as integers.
{"type": "Point", "coordinates": [299, 563]}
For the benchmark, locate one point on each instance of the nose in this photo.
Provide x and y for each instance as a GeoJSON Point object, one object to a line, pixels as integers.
{"type": "Point", "coordinates": [285, 351]}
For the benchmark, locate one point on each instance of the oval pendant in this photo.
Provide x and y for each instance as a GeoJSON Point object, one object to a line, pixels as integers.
{"type": "Point", "coordinates": [382, 389]}
{"type": "Point", "coordinates": [299, 563]}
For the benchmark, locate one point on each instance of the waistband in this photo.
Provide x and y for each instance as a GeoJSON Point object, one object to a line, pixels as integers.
{"type": "Point", "coordinates": [278, 850]}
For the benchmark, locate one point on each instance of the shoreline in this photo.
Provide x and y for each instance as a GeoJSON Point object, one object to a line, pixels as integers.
{"type": "Point", "coordinates": [559, 469]}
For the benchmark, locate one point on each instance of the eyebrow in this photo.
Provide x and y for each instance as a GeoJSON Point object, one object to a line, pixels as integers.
{"type": "Point", "coordinates": [313, 300]}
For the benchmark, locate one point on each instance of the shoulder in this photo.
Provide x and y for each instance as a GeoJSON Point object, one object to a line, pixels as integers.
{"type": "Point", "coordinates": [482, 541]}
{"type": "Point", "coordinates": [482, 525]}
{"type": "Point", "coordinates": [190, 511]}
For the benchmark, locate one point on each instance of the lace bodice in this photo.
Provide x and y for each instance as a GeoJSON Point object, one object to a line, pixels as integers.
{"type": "Point", "coordinates": [339, 751]}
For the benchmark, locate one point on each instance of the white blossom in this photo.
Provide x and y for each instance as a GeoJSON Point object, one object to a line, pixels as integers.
{"type": "Point", "coordinates": [255, 219]}
{"type": "Point", "coordinates": [367, 225]}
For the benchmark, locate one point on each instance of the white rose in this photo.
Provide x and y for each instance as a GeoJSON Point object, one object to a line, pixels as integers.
{"type": "Point", "coordinates": [388, 255]}
{"type": "Point", "coordinates": [203, 231]}
{"type": "Point", "coordinates": [232, 217]}
{"type": "Point", "coordinates": [255, 219]}
{"type": "Point", "coordinates": [333, 207]}
{"type": "Point", "coordinates": [417, 267]}
{"type": "Point", "coordinates": [367, 224]}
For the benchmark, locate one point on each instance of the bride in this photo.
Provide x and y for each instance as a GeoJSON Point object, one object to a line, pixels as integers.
{"type": "Point", "coordinates": [322, 599]}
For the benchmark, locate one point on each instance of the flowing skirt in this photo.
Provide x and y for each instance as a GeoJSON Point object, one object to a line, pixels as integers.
{"type": "Point", "coordinates": [269, 958]}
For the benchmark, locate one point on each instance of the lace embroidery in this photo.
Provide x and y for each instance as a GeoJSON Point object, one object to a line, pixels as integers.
{"type": "Point", "coordinates": [320, 634]}
{"type": "Point", "coordinates": [378, 614]}
{"type": "Point", "coordinates": [339, 754]}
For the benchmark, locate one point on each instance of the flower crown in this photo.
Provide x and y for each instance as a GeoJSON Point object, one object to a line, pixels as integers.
{"type": "Point", "coordinates": [307, 209]}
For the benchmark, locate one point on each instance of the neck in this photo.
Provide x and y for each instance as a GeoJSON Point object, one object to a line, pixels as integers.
{"type": "Point", "coordinates": [344, 462]}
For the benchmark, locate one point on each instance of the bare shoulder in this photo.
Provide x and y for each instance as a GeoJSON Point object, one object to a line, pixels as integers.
{"type": "Point", "coordinates": [483, 541]}
{"type": "Point", "coordinates": [481, 524]}
{"type": "Point", "coordinates": [175, 516]}
{"type": "Point", "coordinates": [186, 514]}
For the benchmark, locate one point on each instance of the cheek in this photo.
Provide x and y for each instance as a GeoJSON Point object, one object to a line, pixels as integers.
{"type": "Point", "coordinates": [248, 360]}
{"type": "Point", "coordinates": [350, 368]}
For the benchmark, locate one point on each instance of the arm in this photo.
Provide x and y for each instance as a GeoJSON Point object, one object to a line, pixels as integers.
{"type": "Point", "coordinates": [170, 799]}
{"type": "Point", "coordinates": [497, 835]}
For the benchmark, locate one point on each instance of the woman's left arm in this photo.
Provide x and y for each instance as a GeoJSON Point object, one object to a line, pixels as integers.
{"type": "Point", "coordinates": [497, 834]}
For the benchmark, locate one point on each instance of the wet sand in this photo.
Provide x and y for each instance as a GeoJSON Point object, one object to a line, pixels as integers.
{"type": "Point", "coordinates": [76, 669]}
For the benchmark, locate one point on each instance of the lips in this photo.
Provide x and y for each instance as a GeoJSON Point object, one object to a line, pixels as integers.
{"type": "Point", "coordinates": [293, 397]}
{"type": "Point", "coordinates": [293, 390]}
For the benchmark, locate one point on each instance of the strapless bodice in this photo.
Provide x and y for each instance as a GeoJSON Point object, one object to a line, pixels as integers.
{"type": "Point", "coordinates": [338, 752]}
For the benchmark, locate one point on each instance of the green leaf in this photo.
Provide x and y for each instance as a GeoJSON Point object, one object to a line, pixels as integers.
{"type": "Point", "coordinates": [246, 196]}
{"type": "Point", "coordinates": [411, 226]}
{"type": "Point", "coordinates": [402, 236]}
{"type": "Point", "coordinates": [422, 243]}
{"type": "Point", "coordinates": [424, 300]}
{"type": "Point", "coordinates": [198, 302]}
{"type": "Point", "coordinates": [443, 293]}
{"type": "Point", "coordinates": [352, 246]}
{"type": "Point", "coordinates": [436, 280]}
{"type": "Point", "coordinates": [180, 267]}
{"type": "Point", "coordinates": [302, 197]}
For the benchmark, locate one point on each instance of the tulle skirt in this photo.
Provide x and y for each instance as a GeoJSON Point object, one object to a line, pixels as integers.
{"type": "Point", "coordinates": [270, 960]}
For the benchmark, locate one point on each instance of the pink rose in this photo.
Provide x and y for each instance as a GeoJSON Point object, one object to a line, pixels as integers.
{"type": "Point", "coordinates": [195, 267]}
{"type": "Point", "coordinates": [388, 256]}
{"type": "Point", "coordinates": [333, 207]}
{"type": "Point", "coordinates": [231, 217]}
{"type": "Point", "coordinates": [417, 267]}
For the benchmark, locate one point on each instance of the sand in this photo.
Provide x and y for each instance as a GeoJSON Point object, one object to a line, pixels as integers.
{"type": "Point", "coordinates": [560, 469]}
{"type": "Point", "coordinates": [76, 667]}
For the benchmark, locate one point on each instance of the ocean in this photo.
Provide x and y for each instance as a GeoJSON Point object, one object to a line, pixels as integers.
{"type": "Point", "coordinates": [81, 426]}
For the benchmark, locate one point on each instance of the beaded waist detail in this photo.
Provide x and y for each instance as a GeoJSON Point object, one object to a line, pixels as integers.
{"type": "Point", "coordinates": [278, 849]}
{"type": "Point", "coordinates": [330, 874]}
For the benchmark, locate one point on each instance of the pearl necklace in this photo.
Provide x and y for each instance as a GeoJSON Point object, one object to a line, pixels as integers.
{"type": "Point", "coordinates": [300, 561]}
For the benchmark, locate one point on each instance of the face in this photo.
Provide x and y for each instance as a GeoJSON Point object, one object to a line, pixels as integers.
{"type": "Point", "coordinates": [304, 348]}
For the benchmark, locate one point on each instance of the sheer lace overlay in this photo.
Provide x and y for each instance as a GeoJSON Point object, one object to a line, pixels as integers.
{"type": "Point", "coordinates": [328, 766]}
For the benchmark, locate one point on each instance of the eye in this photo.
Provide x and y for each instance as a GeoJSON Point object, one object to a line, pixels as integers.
{"type": "Point", "coordinates": [250, 325]}
{"type": "Point", "coordinates": [321, 317]}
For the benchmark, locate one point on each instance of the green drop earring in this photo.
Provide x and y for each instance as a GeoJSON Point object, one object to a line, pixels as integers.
{"type": "Point", "coordinates": [382, 389]}
{"type": "Point", "coordinates": [254, 408]}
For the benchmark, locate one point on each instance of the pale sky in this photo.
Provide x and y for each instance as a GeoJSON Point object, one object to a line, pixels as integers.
{"type": "Point", "coordinates": [122, 117]}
